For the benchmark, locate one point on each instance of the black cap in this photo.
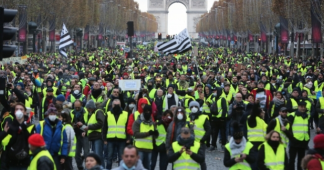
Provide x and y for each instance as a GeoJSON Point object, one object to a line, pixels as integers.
{"type": "Point", "coordinates": [302, 103]}
{"type": "Point", "coordinates": [283, 109]}
{"type": "Point", "coordinates": [200, 85]}
{"type": "Point", "coordinates": [92, 79]}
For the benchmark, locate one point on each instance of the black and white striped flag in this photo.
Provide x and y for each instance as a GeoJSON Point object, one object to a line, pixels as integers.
{"type": "Point", "coordinates": [181, 43]}
{"type": "Point", "coordinates": [65, 41]}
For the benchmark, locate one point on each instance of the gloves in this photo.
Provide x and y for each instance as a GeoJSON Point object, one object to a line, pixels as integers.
{"type": "Point", "coordinates": [155, 133]}
{"type": "Point", "coordinates": [151, 132]}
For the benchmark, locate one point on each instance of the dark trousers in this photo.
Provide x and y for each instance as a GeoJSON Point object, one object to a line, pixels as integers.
{"type": "Point", "coordinates": [82, 143]}
{"type": "Point", "coordinates": [163, 160]}
{"type": "Point", "coordinates": [67, 164]}
{"type": "Point", "coordinates": [57, 162]}
{"type": "Point", "coordinates": [216, 126]}
{"type": "Point", "coordinates": [203, 165]}
{"type": "Point", "coordinates": [293, 152]}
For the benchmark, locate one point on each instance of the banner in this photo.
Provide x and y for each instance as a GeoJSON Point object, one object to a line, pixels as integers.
{"type": "Point", "coordinates": [263, 33]}
{"type": "Point", "coordinates": [101, 31]}
{"type": "Point", "coordinates": [284, 34]}
{"type": "Point", "coordinates": [86, 33]}
{"type": "Point", "coordinates": [316, 29]}
{"type": "Point", "coordinates": [301, 38]}
{"type": "Point", "coordinates": [250, 37]}
{"type": "Point", "coordinates": [51, 31]}
{"type": "Point", "coordinates": [22, 23]}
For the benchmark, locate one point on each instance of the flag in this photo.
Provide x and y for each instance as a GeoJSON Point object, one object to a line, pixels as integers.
{"type": "Point", "coordinates": [263, 32]}
{"type": "Point", "coordinates": [181, 43]}
{"type": "Point", "coordinates": [284, 33]}
{"type": "Point", "coordinates": [65, 41]}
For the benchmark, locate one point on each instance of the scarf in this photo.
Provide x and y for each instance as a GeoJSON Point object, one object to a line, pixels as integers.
{"type": "Point", "coordinates": [280, 120]}
{"type": "Point", "coordinates": [237, 149]}
{"type": "Point", "coordinates": [147, 122]}
{"type": "Point", "coordinates": [96, 93]}
{"type": "Point", "coordinates": [278, 102]}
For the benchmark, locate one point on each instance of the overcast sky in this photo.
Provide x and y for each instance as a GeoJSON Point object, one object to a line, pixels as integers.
{"type": "Point", "coordinates": [177, 15]}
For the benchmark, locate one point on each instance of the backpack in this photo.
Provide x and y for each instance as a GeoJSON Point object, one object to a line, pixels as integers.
{"type": "Point", "coordinates": [213, 108]}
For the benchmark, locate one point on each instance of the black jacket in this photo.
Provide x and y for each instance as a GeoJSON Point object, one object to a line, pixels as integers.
{"type": "Point", "coordinates": [199, 157]}
{"type": "Point", "coordinates": [44, 163]}
{"type": "Point", "coordinates": [229, 162]}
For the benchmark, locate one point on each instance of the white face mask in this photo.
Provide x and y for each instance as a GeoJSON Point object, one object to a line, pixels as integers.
{"type": "Point", "coordinates": [169, 95]}
{"type": "Point", "coordinates": [131, 106]}
{"type": "Point", "coordinates": [194, 110]}
{"type": "Point", "coordinates": [19, 114]}
{"type": "Point", "coordinates": [52, 117]}
{"type": "Point", "coordinates": [180, 116]}
{"type": "Point", "coordinates": [214, 94]}
{"type": "Point", "coordinates": [76, 91]}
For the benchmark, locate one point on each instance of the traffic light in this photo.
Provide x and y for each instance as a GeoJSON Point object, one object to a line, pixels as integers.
{"type": "Point", "coordinates": [6, 33]}
{"type": "Point", "coordinates": [159, 36]}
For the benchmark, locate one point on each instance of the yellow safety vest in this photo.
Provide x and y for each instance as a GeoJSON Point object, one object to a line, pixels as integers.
{"type": "Point", "coordinates": [117, 129]}
{"type": "Point", "coordinates": [147, 142]}
{"type": "Point", "coordinates": [99, 99]}
{"type": "Point", "coordinates": [136, 114]}
{"type": "Point", "coordinates": [294, 104]}
{"type": "Point", "coordinates": [152, 93]}
{"type": "Point", "coordinates": [162, 135]}
{"type": "Point", "coordinates": [73, 99]}
{"type": "Point", "coordinates": [240, 165]}
{"type": "Point", "coordinates": [258, 133]}
{"type": "Point", "coordinates": [186, 102]}
{"type": "Point", "coordinates": [300, 128]}
{"type": "Point", "coordinates": [185, 162]}
{"type": "Point", "coordinates": [54, 91]}
{"type": "Point", "coordinates": [274, 160]}
{"type": "Point", "coordinates": [73, 145]}
{"type": "Point", "coordinates": [284, 138]}
{"type": "Point", "coordinates": [33, 163]}
{"type": "Point", "coordinates": [199, 130]}
{"type": "Point", "coordinates": [219, 108]}
{"type": "Point", "coordinates": [93, 120]}
{"type": "Point", "coordinates": [321, 100]}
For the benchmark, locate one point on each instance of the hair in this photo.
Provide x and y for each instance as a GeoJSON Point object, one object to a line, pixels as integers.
{"type": "Point", "coordinates": [66, 117]}
{"type": "Point", "coordinates": [268, 136]}
{"type": "Point", "coordinates": [21, 104]}
{"type": "Point", "coordinates": [131, 147]}
{"type": "Point", "coordinates": [167, 112]}
{"type": "Point", "coordinates": [77, 100]}
{"type": "Point", "coordinates": [185, 130]}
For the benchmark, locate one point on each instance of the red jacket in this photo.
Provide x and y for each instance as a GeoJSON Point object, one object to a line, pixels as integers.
{"type": "Point", "coordinates": [267, 93]}
{"type": "Point", "coordinates": [131, 119]}
{"type": "Point", "coordinates": [315, 164]}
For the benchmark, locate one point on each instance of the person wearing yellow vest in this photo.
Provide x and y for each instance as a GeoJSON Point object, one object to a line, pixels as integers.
{"type": "Point", "coordinates": [47, 100]}
{"type": "Point", "coordinates": [79, 119]}
{"type": "Point", "coordinates": [201, 127]}
{"type": "Point", "coordinates": [314, 159]}
{"type": "Point", "coordinates": [97, 95]}
{"type": "Point", "coordinates": [218, 116]}
{"type": "Point", "coordinates": [50, 84]}
{"type": "Point", "coordinates": [189, 97]}
{"type": "Point", "coordinates": [256, 128]}
{"type": "Point", "coordinates": [301, 134]}
{"type": "Point", "coordinates": [170, 98]}
{"type": "Point", "coordinates": [114, 131]}
{"type": "Point", "coordinates": [238, 153]}
{"type": "Point", "coordinates": [144, 132]}
{"type": "Point", "coordinates": [292, 102]}
{"type": "Point", "coordinates": [159, 143]}
{"type": "Point", "coordinates": [71, 138]}
{"type": "Point", "coordinates": [14, 140]}
{"type": "Point", "coordinates": [41, 157]}
{"type": "Point", "coordinates": [272, 153]}
{"type": "Point", "coordinates": [94, 128]}
{"type": "Point", "coordinates": [276, 104]}
{"type": "Point", "coordinates": [182, 86]}
{"type": "Point", "coordinates": [76, 94]}
{"type": "Point", "coordinates": [319, 114]}
{"type": "Point", "coordinates": [281, 125]}
{"type": "Point", "coordinates": [186, 153]}
{"type": "Point", "coordinates": [54, 135]}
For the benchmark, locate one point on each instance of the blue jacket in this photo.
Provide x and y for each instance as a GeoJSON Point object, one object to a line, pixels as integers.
{"type": "Point", "coordinates": [53, 138]}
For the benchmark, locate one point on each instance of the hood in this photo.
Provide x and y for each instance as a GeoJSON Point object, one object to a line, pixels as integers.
{"type": "Point", "coordinates": [140, 102]}
{"type": "Point", "coordinates": [209, 87]}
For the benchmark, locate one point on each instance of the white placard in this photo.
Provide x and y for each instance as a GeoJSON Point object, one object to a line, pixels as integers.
{"type": "Point", "coordinates": [130, 84]}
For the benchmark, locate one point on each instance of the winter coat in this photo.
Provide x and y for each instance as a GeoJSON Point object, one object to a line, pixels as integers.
{"type": "Point", "coordinates": [52, 137]}
{"type": "Point", "coordinates": [131, 117]}
{"type": "Point", "coordinates": [138, 166]}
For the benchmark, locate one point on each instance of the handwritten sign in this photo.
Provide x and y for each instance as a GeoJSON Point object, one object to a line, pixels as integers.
{"type": "Point", "coordinates": [130, 84]}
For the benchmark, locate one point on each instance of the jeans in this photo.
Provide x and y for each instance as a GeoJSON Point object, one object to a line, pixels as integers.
{"type": "Point", "coordinates": [97, 147]}
{"type": "Point", "coordinates": [82, 143]}
{"type": "Point", "coordinates": [216, 126]}
{"type": "Point", "coordinates": [163, 160]}
{"type": "Point", "coordinates": [111, 146]}
{"type": "Point", "coordinates": [145, 158]}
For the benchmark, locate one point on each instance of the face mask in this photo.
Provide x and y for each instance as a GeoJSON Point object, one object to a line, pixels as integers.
{"type": "Point", "coordinates": [194, 110]}
{"type": "Point", "coordinates": [169, 95]}
{"type": "Point", "coordinates": [214, 94]}
{"type": "Point", "coordinates": [131, 106]}
{"type": "Point", "coordinates": [22, 78]}
{"type": "Point", "coordinates": [102, 87]}
{"type": "Point", "coordinates": [179, 116]}
{"type": "Point", "coordinates": [76, 91]}
{"type": "Point", "coordinates": [29, 93]}
{"type": "Point", "coordinates": [144, 95]}
{"type": "Point", "coordinates": [149, 86]}
{"type": "Point", "coordinates": [126, 168]}
{"type": "Point", "coordinates": [19, 114]}
{"type": "Point", "coordinates": [52, 118]}
{"type": "Point", "coordinates": [116, 109]}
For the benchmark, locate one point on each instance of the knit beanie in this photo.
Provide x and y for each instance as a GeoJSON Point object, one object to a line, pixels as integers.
{"type": "Point", "coordinates": [319, 141]}
{"type": "Point", "coordinates": [60, 98]}
{"type": "Point", "coordinates": [90, 105]}
{"type": "Point", "coordinates": [21, 85]}
{"type": "Point", "coordinates": [94, 156]}
{"type": "Point", "coordinates": [36, 140]}
{"type": "Point", "coordinates": [51, 109]}
{"type": "Point", "coordinates": [194, 103]}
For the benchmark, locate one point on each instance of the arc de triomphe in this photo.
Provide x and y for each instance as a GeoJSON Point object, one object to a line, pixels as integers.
{"type": "Point", "coordinates": [160, 9]}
